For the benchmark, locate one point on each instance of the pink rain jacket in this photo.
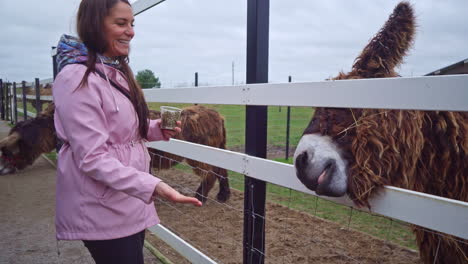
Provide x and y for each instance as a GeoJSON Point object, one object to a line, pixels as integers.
{"type": "Point", "coordinates": [104, 190]}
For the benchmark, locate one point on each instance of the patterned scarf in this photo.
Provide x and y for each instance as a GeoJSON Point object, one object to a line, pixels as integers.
{"type": "Point", "coordinates": [72, 50]}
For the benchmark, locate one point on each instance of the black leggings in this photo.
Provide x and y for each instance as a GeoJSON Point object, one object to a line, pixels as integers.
{"type": "Point", "coordinates": [125, 250]}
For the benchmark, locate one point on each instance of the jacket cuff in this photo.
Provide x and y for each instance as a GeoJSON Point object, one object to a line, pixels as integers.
{"type": "Point", "coordinates": [149, 190]}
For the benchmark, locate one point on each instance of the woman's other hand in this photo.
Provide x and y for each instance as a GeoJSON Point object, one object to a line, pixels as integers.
{"type": "Point", "coordinates": [167, 133]}
{"type": "Point", "coordinates": [167, 192]}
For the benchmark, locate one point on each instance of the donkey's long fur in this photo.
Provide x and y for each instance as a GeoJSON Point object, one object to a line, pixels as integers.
{"type": "Point", "coordinates": [425, 151]}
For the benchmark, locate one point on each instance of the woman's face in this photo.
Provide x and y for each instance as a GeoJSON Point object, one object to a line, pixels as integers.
{"type": "Point", "coordinates": [118, 30]}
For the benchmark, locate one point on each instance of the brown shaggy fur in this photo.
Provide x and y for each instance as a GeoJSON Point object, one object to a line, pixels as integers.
{"type": "Point", "coordinates": [425, 151]}
{"type": "Point", "coordinates": [203, 126]}
{"type": "Point", "coordinates": [36, 136]}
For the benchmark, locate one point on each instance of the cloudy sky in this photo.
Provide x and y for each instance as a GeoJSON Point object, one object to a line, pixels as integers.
{"type": "Point", "coordinates": [309, 40]}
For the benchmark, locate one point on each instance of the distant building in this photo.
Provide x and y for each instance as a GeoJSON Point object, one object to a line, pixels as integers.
{"type": "Point", "coordinates": [460, 67]}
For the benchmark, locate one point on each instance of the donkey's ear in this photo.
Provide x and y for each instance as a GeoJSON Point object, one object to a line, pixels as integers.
{"type": "Point", "coordinates": [386, 50]}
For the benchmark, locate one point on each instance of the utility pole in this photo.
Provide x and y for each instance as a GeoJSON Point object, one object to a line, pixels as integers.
{"type": "Point", "coordinates": [232, 72]}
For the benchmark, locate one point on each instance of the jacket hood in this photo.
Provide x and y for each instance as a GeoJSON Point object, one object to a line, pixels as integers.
{"type": "Point", "coordinates": [71, 50]}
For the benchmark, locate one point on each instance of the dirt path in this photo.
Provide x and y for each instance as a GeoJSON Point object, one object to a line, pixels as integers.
{"type": "Point", "coordinates": [27, 230]}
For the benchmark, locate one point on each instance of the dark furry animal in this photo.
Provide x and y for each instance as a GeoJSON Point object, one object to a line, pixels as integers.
{"type": "Point", "coordinates": [204, 126]}
{"type": "Point", "coordinates": [27, 140]}
{"type": "Point", "coordinates": [358, 151]}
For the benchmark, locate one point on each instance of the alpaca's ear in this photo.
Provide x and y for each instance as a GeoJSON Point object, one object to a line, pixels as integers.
{"type": "Point", "coordinates": [10, 140]}
{"type": "Point", "coordinates": [49, 111]}
{"type": "Point", "coordinates": [386, 50]}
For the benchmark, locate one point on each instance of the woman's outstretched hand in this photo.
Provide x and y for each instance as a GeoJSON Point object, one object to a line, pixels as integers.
{"type": "Point", "coordinates": [168, 193]}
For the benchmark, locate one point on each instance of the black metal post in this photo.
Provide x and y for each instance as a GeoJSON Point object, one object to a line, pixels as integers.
{"type": "Point", "coordinates": [2, 104]}
{"type": "Point", "coordinates": [288, 122]}
{"type": "Point", "coordinates": [15, 102]}
{"type": "Point", "coordinates": [25, 106]}
{"type": "Point", "coordinates": [258, 12]}
{"type": "Point", "coordinates": [7, 102]}
{"type": "Point", "coordinates": [196, 81]}
{"type": "Point", "coordinates": [38, 96]}
{"type": "Point", "coordinates": [54, 62]}
{"type": "Point", "coordinates": [59, 143]}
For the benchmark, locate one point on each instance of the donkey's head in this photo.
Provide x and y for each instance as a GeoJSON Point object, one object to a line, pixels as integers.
{"type": "Point", "coordinates": [324, 152]}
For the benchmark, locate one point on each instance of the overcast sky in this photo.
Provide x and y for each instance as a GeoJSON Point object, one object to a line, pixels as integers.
{"type": "Point", "coordinates": [309, 40]}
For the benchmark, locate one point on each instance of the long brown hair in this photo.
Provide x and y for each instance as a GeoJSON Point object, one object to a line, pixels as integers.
{"type": "Point", "coordinates": [90, 25]}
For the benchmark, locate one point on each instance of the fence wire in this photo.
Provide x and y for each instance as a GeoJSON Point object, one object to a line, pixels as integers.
{"type": "Point", "coordinates": [295, 230]}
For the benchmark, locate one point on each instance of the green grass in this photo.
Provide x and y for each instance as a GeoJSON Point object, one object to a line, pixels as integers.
{"type": "Point", "coordinates": [52, 156]}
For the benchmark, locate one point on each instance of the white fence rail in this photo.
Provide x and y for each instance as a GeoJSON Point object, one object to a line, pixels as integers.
{"type": "Point", "coordinates": [181, 246]}
{"type": "Point", "coordinates": [30, 114]}
{"type": "Point", "coordinates": [445, 93]}
{"type": "Point", "coordinates": [42, 98]}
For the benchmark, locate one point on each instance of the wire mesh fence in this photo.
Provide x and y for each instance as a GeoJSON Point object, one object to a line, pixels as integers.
{"type": "Point", "coordinates": [300, 228]}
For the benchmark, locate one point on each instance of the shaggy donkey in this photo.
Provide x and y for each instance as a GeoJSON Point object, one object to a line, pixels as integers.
{"type": "Point", "coordinates": [28, 139]}
{"type": "Point", "coordinates": [358, 151]}
{"type": "Point", "coordinates": [203, 126]}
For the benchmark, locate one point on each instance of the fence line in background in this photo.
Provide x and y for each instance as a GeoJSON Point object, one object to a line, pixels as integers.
{"type": "Point", "coordinates": [9, 99]}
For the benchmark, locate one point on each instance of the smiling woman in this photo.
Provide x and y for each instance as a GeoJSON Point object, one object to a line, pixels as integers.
{"type": "Point", "coordinates": [105, 192]}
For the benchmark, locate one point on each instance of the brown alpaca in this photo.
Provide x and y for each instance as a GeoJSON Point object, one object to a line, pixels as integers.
{"type": "Point", "coordinates": [27, 140]}
{"type": "Point", "coordinates": [203, 126]}
{"type": "Point", "coordinates": [358, 151]}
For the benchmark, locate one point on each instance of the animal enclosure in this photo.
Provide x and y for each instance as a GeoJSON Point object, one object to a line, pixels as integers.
{"type": "Point", "coordinates": [288, 230]}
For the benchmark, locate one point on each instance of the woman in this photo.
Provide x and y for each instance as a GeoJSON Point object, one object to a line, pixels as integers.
{"type": "Point", "coordinates": [104, 191]}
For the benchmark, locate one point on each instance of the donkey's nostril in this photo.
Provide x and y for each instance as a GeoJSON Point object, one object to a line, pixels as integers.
{"type": "Point", "coordinates": [301, 160]}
